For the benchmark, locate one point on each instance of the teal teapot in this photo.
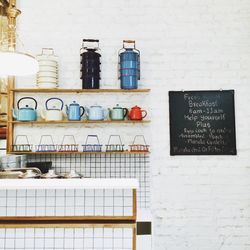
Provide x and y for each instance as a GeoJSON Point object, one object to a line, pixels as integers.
{"type": "Point", "coordinates": [25, 113]}
{"type": "Point", "coordinates": [118, 113]}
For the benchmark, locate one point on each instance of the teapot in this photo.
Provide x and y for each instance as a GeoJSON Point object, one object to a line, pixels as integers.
{"type": "Point", "coordinates": [26, 113]}
{"type": "Point", "coordinates": [118, 113]}
{"type": "Point", "coordinates": [96, 113]}
{"type": "Point", "coordinates": [74, 111]}
{"type": "Point", "coordinates": [136, 113]}
{"type": "Point", "coordinates": [53, 114]}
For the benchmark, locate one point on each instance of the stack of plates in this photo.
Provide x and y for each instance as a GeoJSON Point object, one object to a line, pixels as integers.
{"type": "Point", "coordinates": [47, 76]}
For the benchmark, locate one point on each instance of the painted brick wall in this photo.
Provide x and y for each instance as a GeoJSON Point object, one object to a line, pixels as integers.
{"type": "Point", "coordinates": [199, 203]}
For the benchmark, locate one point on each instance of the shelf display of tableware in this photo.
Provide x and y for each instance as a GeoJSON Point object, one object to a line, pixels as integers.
{"type": "Point", "coordinates": [92, 144]}
{"type": "Point", "coordinates": [68, 144]}
{"type": "Point", "coordinates": [74, 111]}
{"type": "Point", "coordinates": [139, 144]}
{"type": "Point", "coordinates": [46, 144]}
{"type": "Point", "coordinates": [90, 64]}
{"type": "Point", "coordinates": [114, 144]}
{"type": "Point", "coordinates": [47, 76]}
{"type": "Point", "coordinates": [21, 144]}
{"type": "Point", "coordinates": [136, 113]}
{"type": "Point", "coordinates": [118, 113]}
{"type": "Point", "coordinates": [26, 113]}
{"type": "Point", "coordinates": [53, 113]}
{"type": "Point", "coordinates": [129, 65]}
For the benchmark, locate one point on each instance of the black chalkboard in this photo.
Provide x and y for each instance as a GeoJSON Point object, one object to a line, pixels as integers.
{"type": "Point", "coordinates": [202, 123]}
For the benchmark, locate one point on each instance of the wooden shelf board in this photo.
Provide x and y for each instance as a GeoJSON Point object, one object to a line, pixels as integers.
{"type": "Point", "coordinates": [68, 218]}
{"type": "Point", "coordinates": [33, 90]}
{"type": "Point", "coordinates": [80, 153]}
{"type": "Point", "coordinates": [63, 224]}
{"type": "Point", "coordinates": [78, 122]}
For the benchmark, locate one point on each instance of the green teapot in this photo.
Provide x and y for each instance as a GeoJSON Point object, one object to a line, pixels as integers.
{"type": "Point", "coordinates": [118, 113]}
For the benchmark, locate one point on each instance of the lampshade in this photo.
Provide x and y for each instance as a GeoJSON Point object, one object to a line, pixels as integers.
{"type": "Point", "coordinates": [13, 63]}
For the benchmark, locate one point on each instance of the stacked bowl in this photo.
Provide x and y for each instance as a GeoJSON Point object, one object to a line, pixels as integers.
{"type": "Point", "coordinates": [47, 76]}
{"type": "Point", "coordinates": [129, 65]}
{"type": "Point", "coordinates": [90, 64]}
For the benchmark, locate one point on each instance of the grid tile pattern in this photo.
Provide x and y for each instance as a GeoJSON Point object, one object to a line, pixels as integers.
{"type": "Point", "coordinates": [66, 238]}
{"type": "Point", "coordinates": [61, 202]}
{"type": "Point", "coordinates": [106, 166]}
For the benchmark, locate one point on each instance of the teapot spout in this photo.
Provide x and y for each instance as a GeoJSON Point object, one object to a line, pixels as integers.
{"type": "Point", "coordinates": [15, 113]}
{"type": "Point", "coordinates": [43, 114]}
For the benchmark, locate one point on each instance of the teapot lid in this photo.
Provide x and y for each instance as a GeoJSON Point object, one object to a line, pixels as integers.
{"type": "Point", "coordinates": [95, 106]}
{"type": "Point", "coordinates": [54, 108]}
{"type": "Point", "coordinates": [136, 107]}
{"type": "Point", "coordinates": [26, 108]}
{"type": "Point", "coordinates": [74, 103]}
{"type": "Point", "coordinates": [117, 107]}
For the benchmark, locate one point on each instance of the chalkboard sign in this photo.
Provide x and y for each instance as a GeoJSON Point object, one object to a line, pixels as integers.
{"type": "Point", "coordinates": [202, 123]}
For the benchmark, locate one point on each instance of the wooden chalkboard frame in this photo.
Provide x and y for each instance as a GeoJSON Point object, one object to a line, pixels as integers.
{"type": "Point", "coordinates": [227, 151]}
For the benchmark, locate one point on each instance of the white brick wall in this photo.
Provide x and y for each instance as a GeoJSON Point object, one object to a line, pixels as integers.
{"type": "Point", "coordinates": [199, 203]}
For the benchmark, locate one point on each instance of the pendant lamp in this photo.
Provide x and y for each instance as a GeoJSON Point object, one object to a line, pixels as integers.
{"type": "Point", "coordinates": [12, 62]}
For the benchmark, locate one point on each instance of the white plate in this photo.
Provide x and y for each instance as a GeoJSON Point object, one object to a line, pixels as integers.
{"type": "Point", "coordinates": [47, 79]}
{"type": "Point", "coordinates": [47, 63]}
{"type": "Point", "coordinates": [47, 85]}
{"type": "Point", "coordinates": [47, 73]}
{"type": "Point", "coordinates": [48, 68]}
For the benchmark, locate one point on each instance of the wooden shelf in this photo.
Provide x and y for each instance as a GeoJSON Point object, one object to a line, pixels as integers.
{"type": "Point", "coordinates": [34, 90]}
{"type": "Point", "coordinates": [79, 153]}
{"type": "Point", "coordinates": [3, 93]}
{"type": "Point", "coordinates": [79, 122]}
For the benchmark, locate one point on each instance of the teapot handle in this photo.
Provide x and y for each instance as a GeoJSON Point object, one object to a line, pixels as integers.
{"type": "Point", "coordinates": [31, 98]}
{"type": "Point", "coordinates": [83, 111]}
{"type": "Point", "coordinates": [145, 113]}
{"type": "Point", "coordinates": [125, 112]}
{"type": "Point", "coordinates": [53, 98]}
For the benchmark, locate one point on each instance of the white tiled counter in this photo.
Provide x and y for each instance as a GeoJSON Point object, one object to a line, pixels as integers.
{"type": "Point", "coordinates": [68, 214]}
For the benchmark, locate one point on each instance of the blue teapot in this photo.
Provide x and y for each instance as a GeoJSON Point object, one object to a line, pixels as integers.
{"type": "Point", "coordinates": [96, 113]}
{"type": "Point", "coordinates": [25, 113]}
{"type": "Point", "coordinates": [74, 111]}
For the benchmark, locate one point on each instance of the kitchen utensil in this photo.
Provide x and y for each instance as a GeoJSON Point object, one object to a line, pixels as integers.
{"type": "Point", "coordinates": [44, 166]}
{"type": "Point", "coordinates": [31, 173]}
{"type": "Point", "coordinates": [114, 144]}
{"type": "Point", "coordinates": [139, 144]}
{"type": "Point", "coordinates": [96, 113]}
{"type": "Point", "coordinates": [136, 113]}
{"type": "Point", "coordinates": [53, 114]}
{"type": "Point", "coordinates": [8, 174]}
{"type": "Point", "coordinates": [68, 144]}
{"type": "Point", "coordinates": [74, 111]}
{"type": "Point", "coordinates": [46, 144]}
{"type": "Point", "coordinates": [25, 113]}
{"type": "Point", "coordinates": [129, 65]}
{"type": "Point", "coordinates": [72, 175]}
{"type": "Point", "coordinates": [92, 144]}
{"type": "Point", "coordinates": [22, 144]}
{"type": "Point", "coordinates": [90, 64]}
{"type": "Point", "coordinates": [20, 173]}
{"type": "Point", "coordinates": [118, 113]}
{"type": "Point", "coordinates": [50, 175]}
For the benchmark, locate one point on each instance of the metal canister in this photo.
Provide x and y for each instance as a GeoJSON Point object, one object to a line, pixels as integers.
{"type": "Point", "coordinates": [129, 65]}
{"type": "Point", "coordinates": [90, 64]}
